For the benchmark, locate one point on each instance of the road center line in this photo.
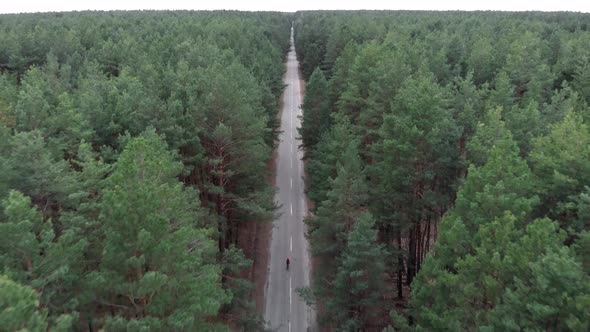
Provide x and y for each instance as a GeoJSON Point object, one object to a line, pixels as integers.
{"type": "Point", "coordinates": [291, 183]}
{"type": "Point", "coordinates": [291, 245]}
{"type": "Point", "coordinates": [291, 208]}
{"type": "Point", "coordinates": [289, 293]}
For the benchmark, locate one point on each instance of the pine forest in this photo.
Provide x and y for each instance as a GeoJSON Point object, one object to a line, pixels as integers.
{"type": "Point", "coordinates": [447, 169]}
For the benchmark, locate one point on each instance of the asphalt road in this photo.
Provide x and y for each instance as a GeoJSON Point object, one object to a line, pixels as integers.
{"type": "Point", "coordinates": [284, 309]}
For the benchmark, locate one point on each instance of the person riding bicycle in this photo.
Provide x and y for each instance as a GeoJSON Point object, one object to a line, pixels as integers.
{"type": "Point", "coordinates": [288, 262]}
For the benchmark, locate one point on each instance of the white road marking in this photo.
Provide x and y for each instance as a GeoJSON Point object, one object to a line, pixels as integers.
{"type": "Point", "coordinates": [290, 128]}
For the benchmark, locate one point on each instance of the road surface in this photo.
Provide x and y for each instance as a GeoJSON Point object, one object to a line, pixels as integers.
{"type": "Point", "coordinates": [284, 309]}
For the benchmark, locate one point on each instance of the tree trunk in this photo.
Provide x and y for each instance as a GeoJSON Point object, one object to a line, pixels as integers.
{"type": "Point", "coordinates": [400, 262]}
{"type": "Point", "coordinates": [462, 156]}
{"type": "Point", "coordinates": [411, 255]}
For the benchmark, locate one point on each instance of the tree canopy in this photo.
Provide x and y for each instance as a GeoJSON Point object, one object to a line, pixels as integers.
{"type": "Point", "coordinates": [471, 132]}
{"type": "Point", "coordinates": [133, 149]}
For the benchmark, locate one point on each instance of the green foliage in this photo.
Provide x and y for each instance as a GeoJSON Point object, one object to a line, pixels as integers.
{"type": "Point", "coordinates": [560, 161]}
{"type": "Point", "coordinates": [525, 125]}
{"type": "Point", "coordinates": [501, 188]}
{"type": "Point", "coordinates": [415, 155]}
{"type": "Point", "coordinates": [34, 101]}
{"type": "Point", "coordinates": [37, 172]}
{"type": "Point", "coordinates": [555, 296]}
{"type": "Point", "coordinates": [503, 184]}
{"type": "Point", "coordinates": [33, 256]}
{"type": "Point", "coordinates": [336, 215]}
{"type": "Point", "coordinates": [582, 77]}
{"type": "Point", "coordinates": [374, 79]}
{"type": "Point", "coordinates": [19, 308]}
{"type": "Point", "coordinates": [358, 285]}
{"type": "Point", "coordinates": [486, 273]}
{"type": "Point", "coordinates": [512, 281]}
{"type": "Point", "coordinates": [162, 265]}
{"type": "Point", "coordinates": [92, 193]}
{"type": "Point", "coordinates": [449, 111]}
{"type": "Point", "coordinates": [326, 156]}
{"type": "Point", "coordinates": [489, 131]}
{"type": "Point", "coordinates": [347, 195]}
{"type": "Point", "coordinates": [582, 249]}
{"type": "Point", "coordinates": [335, 218]}
{"type": "Point", "coordinates": [482, 59]}
{"type": "Point", "coordinates": [316, 112]}
{"type": "Point", "coordinates": [527, 67]}
{"type": "Point", "coordinates": [133, 147]}
{"type": "Point", "coordinates": [24, 237]}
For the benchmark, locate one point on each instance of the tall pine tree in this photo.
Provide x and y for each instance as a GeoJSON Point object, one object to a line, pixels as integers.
{"type": "Point", "coordinates": [158, 267]}
{"type": "Point", "coordinates": [359, 284]}
{"type": "Point", "coordinates": [316, 110]}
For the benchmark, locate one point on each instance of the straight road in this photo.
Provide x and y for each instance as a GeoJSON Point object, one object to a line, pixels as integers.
{"type": "Point", "coordinates": [284, 309]}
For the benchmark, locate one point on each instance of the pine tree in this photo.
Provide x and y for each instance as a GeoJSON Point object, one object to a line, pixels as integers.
{"type": "Point", "coordinates": [329, 228]}
{"type": "Point", "coordinates": [316, 111]}
{"type": "Point", "coordinates": [416, 166]}
{"type": "Point", "coordinates": [503, 93]}
{"type": "Point", "coordinates": [555, 296]}
{"type": "Point", "coordinates": [81, 220]}
{"type": "Point", "coordinates": [514, 278]}
{"type": "Point", "coordinates": [328, 153]}
{"type": "Point", "coordinates": [562, 102]}
{"type": "Point", "coordinates": [561, 163]}
{"type": "Point", "coordinates": [527, 68]}
{"type": "Point", "coordinates": [19, 308]}
{"type": "Point", "coordinates": [335, 217]}
{"type": "Point", "coordinates": [489, 131]}
{"type": "Point", "coordinates": [25, 238]}
{"type": "Point", "coordinates": [340, 73]}
{"type": "Point", "coordinates": [373, 81]}
{"type": "Point", "coordinates": [582, 78]}
{"type": "Point", "coordinates": [157, 268]}
{"type": "Point", "coordinates": [358, 285]}
{"type": "Point", "coordinates": [35, 102]}
{"type": "Point", "coordinates": [7, 94]}
{"type": "Point", "coordinates": [45, 178]}
{"type": "Point", "coordinates": [524, 124]}
{"type": "Point", "coordinates": [482, 60]}
{"type": "Point", "coordinates": [468, 106]}
{"type": "Point", "coordinates": [234, 148]}
{"type": "Point", "coordinates": [66, 128]}
{"type": "Point", "coordinates": [6, 171]}
{"type": "Point", "coordinates": [34, 256]}
{"type": "Point", "coordinates": [502, 185]}
{"type": "Point", "coordinates": [582, 249]}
